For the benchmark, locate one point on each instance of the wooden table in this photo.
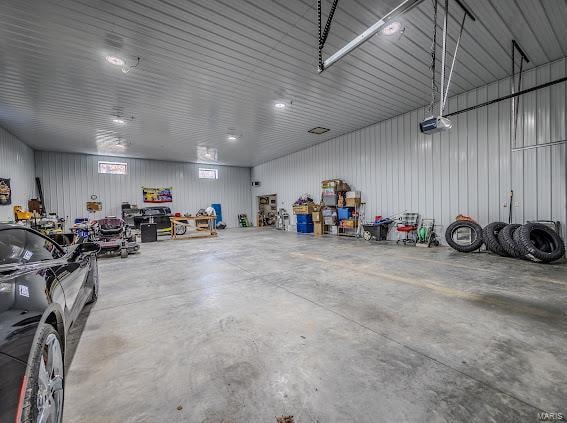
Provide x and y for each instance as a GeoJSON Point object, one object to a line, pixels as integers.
{"type": "Point", "coordinates": [193, 227]}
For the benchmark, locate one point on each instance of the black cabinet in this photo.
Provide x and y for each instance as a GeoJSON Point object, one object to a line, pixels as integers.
{"type": "Point", "coordinates": [148, 232]}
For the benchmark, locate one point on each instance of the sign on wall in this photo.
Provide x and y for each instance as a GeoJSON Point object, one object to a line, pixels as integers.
{"type": "Point", "coordinates": [5, 192]}
{"type": "Point", "coordinates": [157, 195]}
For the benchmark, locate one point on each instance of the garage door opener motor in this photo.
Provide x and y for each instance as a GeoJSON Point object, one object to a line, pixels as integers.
{"type": "Point", "coordinates": [435, 124]}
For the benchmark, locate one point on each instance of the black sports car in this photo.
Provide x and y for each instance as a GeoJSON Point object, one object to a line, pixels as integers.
{"type": "Point", "coordinates": [43, 288]}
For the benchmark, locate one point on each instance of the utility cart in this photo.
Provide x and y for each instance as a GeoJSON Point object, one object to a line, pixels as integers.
{"type": "Point", "coordinates": [376, 230]}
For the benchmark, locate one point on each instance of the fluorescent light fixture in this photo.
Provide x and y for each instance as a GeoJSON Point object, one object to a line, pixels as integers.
{"type": "Point", "coordinates": [279, 105]}
{"type": "Point", "coordinates": [113, 60]}
{"type": "Point", "coordinates": [392, 28]}
{"type": "Point", "coordinates": [119, 121]}
{"type": "Point", "coordinates": [318, 130]}
{"type": "Point", "coordinates": [232, 137]}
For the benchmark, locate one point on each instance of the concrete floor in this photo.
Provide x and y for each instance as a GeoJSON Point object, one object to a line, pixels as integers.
{"type": "Point", "coordinates": [258, 323]}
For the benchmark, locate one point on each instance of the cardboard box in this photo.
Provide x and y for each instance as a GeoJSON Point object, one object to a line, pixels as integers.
{"type": "Point", "coordinates": [353, 194]}
{"type": "Point", "coordinates": [333, 230]}
{"type": "Point", "coordinates": [317, 216]}
{"type": "Point", "coordinates": [304, 208]}
{"type": "Point", "coordinates": [353, 202]}
{"type": "Point", "coordinates": [351, 223]}
{"type": "Point", "coordinates": [318, 228]}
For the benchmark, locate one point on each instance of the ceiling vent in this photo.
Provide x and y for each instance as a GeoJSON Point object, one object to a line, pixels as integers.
{"type": "Point", "coordinates": [318, 130]}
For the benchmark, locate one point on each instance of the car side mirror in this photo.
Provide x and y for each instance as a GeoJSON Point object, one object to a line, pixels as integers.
{"type": "Point", "coordinates": [88, 247]}
{"type": "Point", "coordinates": [83, 248]}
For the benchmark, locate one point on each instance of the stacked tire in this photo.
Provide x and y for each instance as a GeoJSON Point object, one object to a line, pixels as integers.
{"type": "Point", "coordinates": [538, 242]}
{"type": "Point", "coordinates": [533, 241]}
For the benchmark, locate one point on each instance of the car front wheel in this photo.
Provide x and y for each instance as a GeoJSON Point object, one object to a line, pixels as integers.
{"type": "Point", "coordinates": [43, 401]}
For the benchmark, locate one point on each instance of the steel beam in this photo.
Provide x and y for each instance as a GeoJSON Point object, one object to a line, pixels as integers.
{"type": "Point", "coordinates": [404, 7]}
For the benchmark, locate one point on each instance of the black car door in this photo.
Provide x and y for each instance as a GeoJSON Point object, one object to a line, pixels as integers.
{"type": "Point", "coordinates": [71, 273]}
{"type": "Point", "coordinates": [73, 276]}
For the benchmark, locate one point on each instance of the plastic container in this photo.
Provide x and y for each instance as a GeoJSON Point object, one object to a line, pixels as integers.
{"type": "Point", "coordinates": [344, 213]}
{"type": "Point", "coordinates": [305, 228]}
{"type": "Point", "coordinates": [304, 218]}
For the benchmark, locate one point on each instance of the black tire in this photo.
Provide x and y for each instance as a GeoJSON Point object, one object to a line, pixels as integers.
{"type": "Point", "coordinates": [490, 236]}
{"type": "Point", "coordinates": [433, 241]}
{"type": "Point", "coordinates": [476, 236]}
{"type": "Point", "coordinates": [29, 407]}
{"type": "Point", "coordinates": [506, 240]}
{"type": "Point", "coordinates": [539, 243]}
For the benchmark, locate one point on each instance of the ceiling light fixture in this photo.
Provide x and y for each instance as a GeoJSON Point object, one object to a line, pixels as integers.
{"type": "Point", "coordinates": [279, 105]}
{"type": "Point", "coordinates": [392, 28]}
{"type": "Point", "coordinates": [232, 137]}
{"type": "Point", "coordinates": [113, 60]}
{"type": "Point", "coordinates": [119, 121]}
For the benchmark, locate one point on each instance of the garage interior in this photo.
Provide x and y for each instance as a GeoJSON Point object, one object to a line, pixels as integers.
{"type": "Point", "coordinates": [340, 211]}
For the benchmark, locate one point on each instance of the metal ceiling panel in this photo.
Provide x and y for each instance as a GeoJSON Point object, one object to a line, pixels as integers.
{"type": "Point", "coordinates": [217, 67]}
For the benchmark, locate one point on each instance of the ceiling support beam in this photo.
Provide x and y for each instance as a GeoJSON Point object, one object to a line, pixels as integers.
{"type": "Point", "coordinates": [509, 96]}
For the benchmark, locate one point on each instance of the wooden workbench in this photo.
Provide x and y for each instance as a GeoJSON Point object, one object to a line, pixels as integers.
{"type": "Point", "coordinates": [195, 226]}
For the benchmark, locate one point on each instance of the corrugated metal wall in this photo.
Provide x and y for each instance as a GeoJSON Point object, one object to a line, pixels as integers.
{"type": "Point", "coordinates": [70, 179]}
{"type": "Point", "coordinates": [16, 163]}
{"type": "Point", "coordinates": [468, 170]}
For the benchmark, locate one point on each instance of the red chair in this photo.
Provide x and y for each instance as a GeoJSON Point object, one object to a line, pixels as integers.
{"type": "Point", "coordinates": [407, 223]}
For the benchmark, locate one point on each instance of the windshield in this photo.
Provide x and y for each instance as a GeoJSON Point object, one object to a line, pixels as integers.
{"type": "Point", "coordinates": [157, 211]}
{"type": "Point", "coordinates": [22, 246]}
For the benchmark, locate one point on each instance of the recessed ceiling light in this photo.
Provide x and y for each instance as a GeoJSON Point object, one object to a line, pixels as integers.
{"type": "Point", "coordinates": [119, 121]}
{"type": "Point", "coordinates": [279, 105]}
{"type": "Point", "coordinates": [232, 137]}
{"type": "Point", "coordinates": [113, 60]}
{"type": "Point", "coordinates": [392, 28]}
{"type": "Point", "coordinates": [318, 130]}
